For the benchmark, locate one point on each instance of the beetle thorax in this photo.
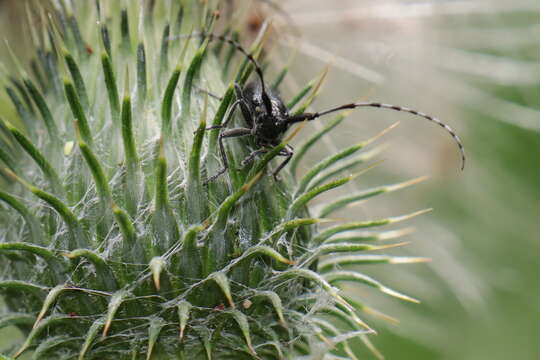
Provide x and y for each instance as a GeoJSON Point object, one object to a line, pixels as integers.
{"type": "Point", "coordinates": [270, 117]}
{"type": "Point", "coordinates": [269, 127]}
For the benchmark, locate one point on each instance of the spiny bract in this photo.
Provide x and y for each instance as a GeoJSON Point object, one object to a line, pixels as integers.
{"type": "Point", "coordinates": [111, 246]}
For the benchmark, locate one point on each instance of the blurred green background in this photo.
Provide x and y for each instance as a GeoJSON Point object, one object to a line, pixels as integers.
{"type": "Point", "coordinates": [476, 65]}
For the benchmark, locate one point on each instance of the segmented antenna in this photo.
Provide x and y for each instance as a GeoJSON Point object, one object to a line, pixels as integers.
{"type": "Point", "coordinates": [237, 46]}
{"type": "Point", "coordinates": [313, 116]}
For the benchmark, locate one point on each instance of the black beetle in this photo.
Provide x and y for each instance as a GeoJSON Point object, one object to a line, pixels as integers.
{"type": "Point", "coordinates": [267, 118]}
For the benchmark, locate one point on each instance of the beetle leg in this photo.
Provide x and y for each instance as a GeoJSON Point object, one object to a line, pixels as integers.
{"type": "Point", "coordinates": [211, 94]}
{"type": "Point", "coordinates": [230, 113]}
{"type": "Point", "coordinates": [228, 116]}
{"type": "Point", "coordinates": [252, 156]}
{"type": "Point", "coordinates": [232, 133]}
{"type": "Point", "coordinates": [288, 152]}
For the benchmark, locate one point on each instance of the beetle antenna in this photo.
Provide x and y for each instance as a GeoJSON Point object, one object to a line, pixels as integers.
{"type": "Point", "coordinates": [313, 116]}
{"type": "Point", "coordinates": [258, 69]}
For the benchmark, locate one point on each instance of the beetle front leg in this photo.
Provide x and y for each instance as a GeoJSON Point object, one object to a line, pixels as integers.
{"type": "Point", "coordinates": [228, 116]}
{"type": "Point", "coordinates": [232, 133]}
{"type": "Point", "coordinates": [211, 94]}
{"type": "Point", "coordinates": [252, 156]}
{"type": "Point", "coordinates": [288, 152]}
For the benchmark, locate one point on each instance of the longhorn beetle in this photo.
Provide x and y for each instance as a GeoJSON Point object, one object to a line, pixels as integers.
{"type": "Point", "coordinates": [267, 118]}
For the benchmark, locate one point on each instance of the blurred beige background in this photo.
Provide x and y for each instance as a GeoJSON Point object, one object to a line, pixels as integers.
{"type": "Point", "coordinates": [475, 65]}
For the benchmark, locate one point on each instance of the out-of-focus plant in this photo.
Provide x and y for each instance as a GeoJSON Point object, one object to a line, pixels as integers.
{"type": "Point", "coordinates": [476, 65]}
